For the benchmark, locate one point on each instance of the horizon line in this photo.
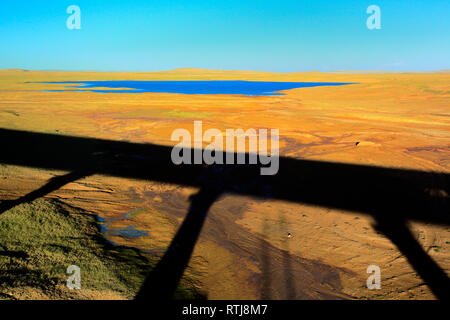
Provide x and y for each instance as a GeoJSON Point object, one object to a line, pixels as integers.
{"type": "Point", "coordinates": [235, 70]}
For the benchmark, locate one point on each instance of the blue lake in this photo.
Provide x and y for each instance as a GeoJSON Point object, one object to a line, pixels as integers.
{"type": "Point", "coordinates": [250, 88]}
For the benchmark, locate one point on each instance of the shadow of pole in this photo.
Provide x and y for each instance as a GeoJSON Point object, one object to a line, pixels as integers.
{"type": "Point", "coordinates": [53, 184]}
{"type": "Point", "coordinates": [163, 280]}
{"type": "Point", "coordinates": [398, 232]}
{"type": "Point", "coordinates": [391, 196]}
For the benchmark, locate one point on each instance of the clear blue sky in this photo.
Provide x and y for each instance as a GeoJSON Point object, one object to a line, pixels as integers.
{"type": "Point", "coordinates": [285, 36]}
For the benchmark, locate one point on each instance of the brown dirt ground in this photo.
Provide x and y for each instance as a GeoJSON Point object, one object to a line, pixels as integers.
{"type": "Point", "coordinates": [400, 119]}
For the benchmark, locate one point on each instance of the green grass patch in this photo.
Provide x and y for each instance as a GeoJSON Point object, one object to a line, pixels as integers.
{"type": "Point", "coordinates": [12, 112]}
{"type": "Point", "coordinates": [39, 240]}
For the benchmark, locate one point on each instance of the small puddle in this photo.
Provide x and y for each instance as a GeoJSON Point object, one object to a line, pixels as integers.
{"type": "Point", "coordinates": [128, 232]}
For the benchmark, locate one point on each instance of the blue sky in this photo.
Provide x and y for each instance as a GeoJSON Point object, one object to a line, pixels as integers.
{"type": "Point", "coordinates": [283, 36]}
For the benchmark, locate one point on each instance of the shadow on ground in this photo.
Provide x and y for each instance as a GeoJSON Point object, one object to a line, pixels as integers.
{"type": "Point", "coordinates": [391, 196]}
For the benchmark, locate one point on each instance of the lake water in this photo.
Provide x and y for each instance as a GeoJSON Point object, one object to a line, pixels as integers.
{"type": "Point", "coordinates": [251, 88]}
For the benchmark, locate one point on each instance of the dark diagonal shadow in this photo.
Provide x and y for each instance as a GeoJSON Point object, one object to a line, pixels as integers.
{"type": "Point", "coordinates": [53, 184]}
{"type": "Point", "coordinates": [400, 235]}
{"type": "Point", "coordinates": [392, 197]}
{"type": "Point", "coordinates": [164, 278]}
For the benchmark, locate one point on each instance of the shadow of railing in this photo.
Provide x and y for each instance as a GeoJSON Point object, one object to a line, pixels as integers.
{"type": "Point", "coordinates": [391, 196]}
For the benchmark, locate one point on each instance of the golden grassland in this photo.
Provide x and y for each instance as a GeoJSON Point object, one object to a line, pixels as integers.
{"type": "Point", "coordinates": [400, 120]}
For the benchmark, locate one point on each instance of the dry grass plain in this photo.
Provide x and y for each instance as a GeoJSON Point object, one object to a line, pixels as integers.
{"type": "Point", "coordinates": [400, 120]}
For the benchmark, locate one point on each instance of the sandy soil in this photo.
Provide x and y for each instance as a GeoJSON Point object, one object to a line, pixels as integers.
{"type": "Point", "coordinates": [400, 120]}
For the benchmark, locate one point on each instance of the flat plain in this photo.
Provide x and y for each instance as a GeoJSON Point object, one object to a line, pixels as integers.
{"type": "Point", "coordinates": [395, 120]}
